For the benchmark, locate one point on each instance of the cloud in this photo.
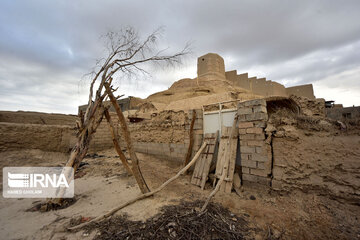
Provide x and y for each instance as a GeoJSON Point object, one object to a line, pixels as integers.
{"type": "Point", "coordinates": [46, 47]}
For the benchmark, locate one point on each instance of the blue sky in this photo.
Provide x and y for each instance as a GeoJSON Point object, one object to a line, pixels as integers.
{"type": "Point", "coordinates": [47, 47]}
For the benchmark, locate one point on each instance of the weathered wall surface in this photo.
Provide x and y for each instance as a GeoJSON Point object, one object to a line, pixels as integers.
{"type": "Point", "coordinates": [53, 138]}
{"type": "Point", "coordinates": [165, 135]}
{"type": "Point", "coordinates": [37, 118]}
{"type": "Point", "coordinates": [326, 163]}
{"type": "Point", "coordinates": [255, 152]}
{"type": "Point", "coordinates": [343, 113]}
{"type": "Point", "coordinates": [310, 107]}
{"type": "Point", "coordinates": [211, 66]}
{"type": "Point", "coordinates": [302, 90]}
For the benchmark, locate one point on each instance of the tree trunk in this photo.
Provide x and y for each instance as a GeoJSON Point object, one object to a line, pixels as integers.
{"type": "Point", "coordinates": [79, 150]}
{"type": "Point", "coordinates": [115, 138]}
{"type": "Point", "coordinates": [134, 160]}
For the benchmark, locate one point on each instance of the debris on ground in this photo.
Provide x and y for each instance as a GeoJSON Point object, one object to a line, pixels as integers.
{"type": "Point", "coordinates": [183, 221]}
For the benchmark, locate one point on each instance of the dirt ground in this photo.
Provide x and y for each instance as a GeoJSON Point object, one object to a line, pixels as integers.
{"type": "Point", "coordinates": [104, 184]}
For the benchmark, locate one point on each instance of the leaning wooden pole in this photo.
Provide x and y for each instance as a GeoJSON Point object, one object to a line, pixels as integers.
{"type": "Point", "coordinates": [142, 196]}
{"type": "Point", "coordinates": [134, 160]}
{"type": "Point", "coordinates": [115, 138]}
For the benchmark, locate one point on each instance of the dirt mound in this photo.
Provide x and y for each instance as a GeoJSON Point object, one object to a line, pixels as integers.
{"type": "Point", "coordinates": [182, 221]}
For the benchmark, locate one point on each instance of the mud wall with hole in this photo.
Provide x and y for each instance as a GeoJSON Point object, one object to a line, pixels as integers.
{"type": "Point", "coordinates": [327, 164]}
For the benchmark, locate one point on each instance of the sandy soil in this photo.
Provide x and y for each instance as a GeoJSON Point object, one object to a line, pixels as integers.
{"type": "Point", "coordinates": [294, 215]}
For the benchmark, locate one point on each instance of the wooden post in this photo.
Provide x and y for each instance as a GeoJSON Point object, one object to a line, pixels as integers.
{"type": "Point", "coordinates": [135, 162]}
{"type": "Point", "coordinates": [115, 138]}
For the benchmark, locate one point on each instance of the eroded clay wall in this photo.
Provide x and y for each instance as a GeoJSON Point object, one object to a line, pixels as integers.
{"type": "Point", "coordinates": [326, 163]}
{"type": "Point", "coordinates": [302, 91]}
{"type": "Point", "coordinates": [34, 130]}
{"type": "Point", "coordinates": [53, 138]}
{"type": "Point", "coordinates": [37, 118]}
{"type": "Point", "coordinates": [211, 66]}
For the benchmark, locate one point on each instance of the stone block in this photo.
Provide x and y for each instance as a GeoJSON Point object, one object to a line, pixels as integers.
{"type": "Point", "coordinates": [248, 163]}
{"type": "Point", "coordinates": [245, 170]}
{"type": "Point", "coordinates": [247, 149]}
{"type": "Point", "coordinates": [242, 130]}
{"type": "Point", "coordinates": [247, 137]}
{"type": "Point", "coordinates": [259, 108]}
{"type": "Point", "coordinates": [254, 130]}
{"type": "Point", "coordinates": [255, 102]}
{"type": "Point", "coordinates": [243, 111]}
{"type": "Point", "coordinates": [245, 125]}
{"type": "Point", "coordinates": [258, 172]}
{"type": "Point", "coordinates": [259, 150]}
{"type": "Point", "coordinates": [259, 157]}
{"type": "Point", "coordinates": [245, 156]}
{"type": "Point", "coordinates": [256, 143]}
{"type": "Point", "coordinates": [261, 124]}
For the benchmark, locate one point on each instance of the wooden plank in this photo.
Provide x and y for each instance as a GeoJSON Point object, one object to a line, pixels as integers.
{"type": "Point", "coordinates": [202, 167]}
{"type": "Point", "coordinates": [209, 159]}
{"type": "Point", "coordinates": [227, 152]}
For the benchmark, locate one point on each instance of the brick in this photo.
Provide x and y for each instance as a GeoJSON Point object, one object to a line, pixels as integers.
{"type": "Point", "coordinates": [255, 130]}
{"type": "Point", "coordinates": [256, 143]}
{"type": "Point", "coordinates": [258, 172]}
{"type": "Point", "coordinates": [247, 137]}
{"type": "Point", "coordinates": [245, 170]}
{"type": "Point", "coordinates": [260, 108]}
{"type": "Point", "coordinates": [245, 125]}
{"type": "Point", "coordinates": [243, 111]}
{"type": "Point", "coordinates": [259, 150]}
{"type": "Point", "coordinates": [259, 157]}
{"type": "Point", "coordinates": [248, 163]}
{"type": "Point", "coordinates": [242, 131]}
{"type": "Point", "coordinates": [245, 156]}
{"type": "Point", "coordinates": [256, 116]}
{"type": "Point", "coordinates": [261, 124]}
{"type": "Point", "coordinates": [259, 136]}
{"type": "Point", "coordinates": [247, 149]}
{"type": "Point", "coordinates": [241, 118]}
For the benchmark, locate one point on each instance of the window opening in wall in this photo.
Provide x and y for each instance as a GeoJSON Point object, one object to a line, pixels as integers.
{"type": "Point", "coordinates": [346, 115]}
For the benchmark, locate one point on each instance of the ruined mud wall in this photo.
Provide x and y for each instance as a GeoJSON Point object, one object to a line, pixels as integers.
{"type": "Point", "coordinates": [302, 91]}
{"type": "Point", "coordinates": [326, 163]}
{"type": "Point", "coordinates": [342, 114]}
{"type": "Point", "coordinates": [34, 130]}
{"type": "Point", "coordinates": [165, 135]}
{"type": "Point", "coordinates": [37, 118]}
{"type": "Point", "coordinates": [53, 138]}
{"type": "Point", "coordinates": [310, 107]}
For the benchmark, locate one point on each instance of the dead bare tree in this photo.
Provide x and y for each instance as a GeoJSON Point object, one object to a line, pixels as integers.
{"type": "Point", "coordinates": [126, 54]}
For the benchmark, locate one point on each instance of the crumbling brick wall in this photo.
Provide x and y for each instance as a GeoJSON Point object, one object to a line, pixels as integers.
{"type": "Point", "coordinates": [255, 151]}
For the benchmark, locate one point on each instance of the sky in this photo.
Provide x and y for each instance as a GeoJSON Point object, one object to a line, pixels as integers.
{"type": "Point", "coordinates": [47, 48]}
